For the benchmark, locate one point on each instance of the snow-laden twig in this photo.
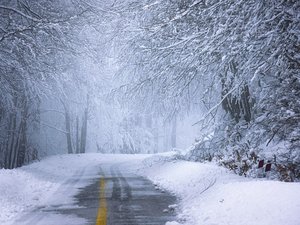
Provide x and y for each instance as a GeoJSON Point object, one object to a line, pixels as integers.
{"type": "Point", "coordinates": [19, 12]}
{"type": "Point", "coordinates": [184, 40]}
{"type": "Point", "coordinates": [52, 110]}
{"type": "Point", "coordinates": [212, 183]}
{"type": "Point", "coordinates": [218, 104]}
{"type": "Point", "coordinates": [55, 128]}
{"type": "Point", "coordinates": [178, 16]}
{"type": "Point", "coordinates": [102, 9]}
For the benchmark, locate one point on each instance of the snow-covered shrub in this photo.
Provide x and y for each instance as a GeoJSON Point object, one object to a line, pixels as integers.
{"type": "Point", "coordinates": [200, 151]}
{"type": "Point", "coordinates": [240, 147]}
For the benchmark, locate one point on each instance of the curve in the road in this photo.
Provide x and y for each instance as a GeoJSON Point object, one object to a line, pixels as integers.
{"type": "Point", "coordinates": [112, 198]}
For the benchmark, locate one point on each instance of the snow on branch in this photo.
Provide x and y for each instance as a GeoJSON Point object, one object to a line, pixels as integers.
{"type": "Point", "coordinates": [19, 12]}
{"type": "Point", "coordinates": [52, 110]}
{"type": "Point", "coordinates": [184, 40]}
{"type": "Point", "coordinates": [218, 104]}
{"type": "Point", "coordinates": [55, 128]}
{"type": "Point", "coordinates": [102, 10]}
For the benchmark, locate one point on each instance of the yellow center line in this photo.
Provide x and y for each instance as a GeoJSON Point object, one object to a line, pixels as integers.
{"type": "Point", "coordinates": [102, 211]}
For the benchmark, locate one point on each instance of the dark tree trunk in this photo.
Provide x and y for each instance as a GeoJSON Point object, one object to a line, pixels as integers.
{"type": "Point", "coordinates": [68, 130]}
{"type": "Point", "coordinates": [84, 127]}
{"type": "Point", "coordinates": [68, 127]}
{"type": "Point", "coordinates": [239, 107]}
{"type": "Point", "coordinates": [77, 136]}
{"type": "Point", "coordinates": [11, 141]}
{"type": "Point", "coordinates": [84, 131]}
{"type": "Point", "coordinates": [23, 138]}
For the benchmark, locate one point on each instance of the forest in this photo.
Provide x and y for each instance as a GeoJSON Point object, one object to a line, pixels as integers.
{"type": "Point", "coordinates": [214, 80]}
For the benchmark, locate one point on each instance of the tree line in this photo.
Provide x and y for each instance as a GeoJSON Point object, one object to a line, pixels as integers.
{"type": "Point", "coordinates": [236, 63]}
{"type": "Point", "coordinates": [39, 43]}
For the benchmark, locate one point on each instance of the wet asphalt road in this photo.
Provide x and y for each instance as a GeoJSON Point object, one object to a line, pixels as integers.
{"type": "Point", "coordinates": [128, 200]}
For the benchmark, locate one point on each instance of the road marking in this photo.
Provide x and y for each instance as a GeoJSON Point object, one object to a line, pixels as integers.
{"type": "Point", "coordinates": [102, 210]}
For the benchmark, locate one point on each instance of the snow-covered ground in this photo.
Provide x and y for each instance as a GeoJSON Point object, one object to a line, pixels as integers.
{"type": "Point", "coordinates": [208, 194]}
{"type": "Point", "coordinates": [45, 182]}
{"type": "Point", "coordinates": [213, 195]}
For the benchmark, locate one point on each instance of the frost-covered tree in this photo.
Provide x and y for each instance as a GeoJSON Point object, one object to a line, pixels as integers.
{"type": "Point", "coordinates": [235, 55]}
{"type": "Point", "coordinates": [39, 44]}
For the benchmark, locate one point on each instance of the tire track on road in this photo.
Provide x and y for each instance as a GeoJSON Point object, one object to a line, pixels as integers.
{"type": "Point", "coordinates": [120, 212]}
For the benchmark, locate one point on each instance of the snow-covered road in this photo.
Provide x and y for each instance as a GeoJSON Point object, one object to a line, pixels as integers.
{"type": "Point", "coordinates": [133, 189]}
{"type": "Point", "coordinates": [126, 199]}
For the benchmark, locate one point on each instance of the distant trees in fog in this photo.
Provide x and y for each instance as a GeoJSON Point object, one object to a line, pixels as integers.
{"type": "Point", "coordinates": [38, 44]}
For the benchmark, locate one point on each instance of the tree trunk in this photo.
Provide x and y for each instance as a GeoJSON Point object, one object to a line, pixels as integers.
{"type": "Point", "coordinates": [68, 129]}
{"type": "Point", "coordinates": [155, 150]}
{"type": "Point", "coordinates": [23, 138]}
{"type": "Point", "coordinates": [16, 147]}
{"type": "Point", "coordinates": [84, 132]}
{"type": "Point", "coordinates": [166, 137]}
{"type": "Point", "coordinates": [77, 136]}
{"type": "Point", "coordinates": [239, 107]}
{"type": "Point", "coordinates": [84, 127]}
{"type": "Point", "coordinates": [11, 141]}
{"type": "Point", "coordinates": [174, 133]}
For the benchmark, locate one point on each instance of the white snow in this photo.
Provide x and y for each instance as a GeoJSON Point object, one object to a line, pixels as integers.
{"type": "Point", "coordinates": [213, 195]}
{"type": "Point", "coordinates": [34, 185]}
{"type": "Point", "coordinates": [208, 193]}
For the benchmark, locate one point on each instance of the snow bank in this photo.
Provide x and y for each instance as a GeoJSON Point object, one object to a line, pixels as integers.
{"type": "Point", "coordinates": [31, 186]}
{"type": "Point", "coordinates": [20, 190]}
{"type": "Point", "coordinates": [213, 195]}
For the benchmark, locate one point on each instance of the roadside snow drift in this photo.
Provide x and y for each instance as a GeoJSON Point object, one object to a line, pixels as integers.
{"type": "Point", "coordinates": [212, 195]}
{"type": "Point", "coordinates": [28, 187]}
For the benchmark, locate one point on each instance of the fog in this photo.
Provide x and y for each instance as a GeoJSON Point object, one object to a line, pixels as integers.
{"type": "Point", "coordinates": [214, 80]}
{"type": "Point", "coordinates": [75, 81]}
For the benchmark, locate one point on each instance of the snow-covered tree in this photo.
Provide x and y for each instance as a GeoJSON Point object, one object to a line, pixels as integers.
{"type": "Point", "coordinates": [235, 55]}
